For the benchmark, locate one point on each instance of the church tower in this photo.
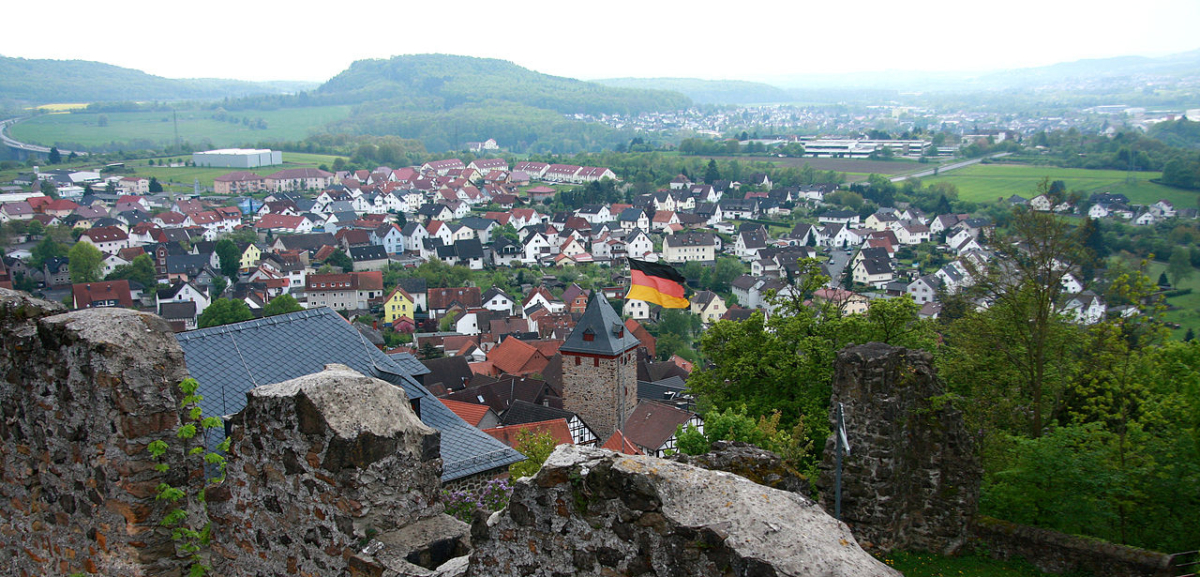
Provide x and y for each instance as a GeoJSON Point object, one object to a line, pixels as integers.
{"type": "Point", "coordinates": [599, 368]}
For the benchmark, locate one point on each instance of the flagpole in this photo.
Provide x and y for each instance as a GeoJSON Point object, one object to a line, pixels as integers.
{"type": "Point", "coordinates": [837, 483]}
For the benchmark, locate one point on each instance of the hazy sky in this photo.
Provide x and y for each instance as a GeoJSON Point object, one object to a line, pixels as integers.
{"type": "Point", "coordinates": [745, 39]}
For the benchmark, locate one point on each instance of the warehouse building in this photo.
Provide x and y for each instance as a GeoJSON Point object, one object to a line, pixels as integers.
{"type": "Point", "coordinates": [238, 158]}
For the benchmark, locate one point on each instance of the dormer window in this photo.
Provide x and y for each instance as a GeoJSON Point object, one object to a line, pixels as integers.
{"type": "Point", "coordinates": [589, 335]}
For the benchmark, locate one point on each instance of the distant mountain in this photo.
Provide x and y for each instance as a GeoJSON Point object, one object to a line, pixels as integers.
{"type": "Point", "coordinates": [47, 81]}
{"type": "Point", "coordinates": [1185, 64]}
{"type": "Point", "coordinates": [438, 82]}
{"type": "Point", "coordinates": [708, 91]}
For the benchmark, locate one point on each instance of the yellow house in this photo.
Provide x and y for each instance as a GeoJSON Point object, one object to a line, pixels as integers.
{"type": "Point", "coordinates": [397, 304]}
{"type": "Point", "coordinates": [251, 256]}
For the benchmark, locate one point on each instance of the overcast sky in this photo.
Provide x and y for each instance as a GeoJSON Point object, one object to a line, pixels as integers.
{"type": "Point", "coordinates": [745, 39]}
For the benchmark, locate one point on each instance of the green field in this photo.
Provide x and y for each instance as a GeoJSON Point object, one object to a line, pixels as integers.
{"type": "Point", "coordinates": [1185, 309]}
{"type": "Point", "coordinates": [988, 182]}
{"type": "Point", "coordinates": [183, 178]}
{"type": "Point", "coordinates": [156, 129]}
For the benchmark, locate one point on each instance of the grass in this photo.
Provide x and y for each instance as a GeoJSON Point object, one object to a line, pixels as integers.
{"type": "Point", "coordinates": [972, 565]}
{"type": "Point", "coordinates": [988, 182]}
{"type": "Point", "coordinates": [154, 129]}
{"type": "Point", "coordinates": [860, 166]}
{"type": "Point", "coordinates": [183, 178]}
{"type": "Point", "coordinates": [1185, 309]}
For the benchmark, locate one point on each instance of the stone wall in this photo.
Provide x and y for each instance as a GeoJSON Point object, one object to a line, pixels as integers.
{"type": "Point", "coordinates": [1055, 552]}
{"type": "Point", "coordinates": [83, 394]}
{"type": "Point", "coordinates": [594, 512]}
{"type": "Point", "coordinates": [912, 478]}
{"type": "Point", "coordinates": [746, 460]}
{"type": "Point", "coordinates": [320, 466]}
{"type": "Point", "coordinates": [594, 387]}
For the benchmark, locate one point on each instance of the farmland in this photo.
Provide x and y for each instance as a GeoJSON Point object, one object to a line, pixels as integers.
{"type": "Point", "coordinates": [183, 178]}
{"type": "Point", "coordinates": [1183, 309]}
{"type": "Point", "coordinates": [853, 167]}
{"type": "Point", "coordinates": [157, 129]}
{"type": "Point", "coordinates": [988, 182]}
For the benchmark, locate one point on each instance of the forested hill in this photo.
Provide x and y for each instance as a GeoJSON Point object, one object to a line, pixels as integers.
{"type": "Point", "coordinates": [708, 91]}
{"type": "Point", "coordinates": [51, 81]}
{"type": "Point", "coordinates": [438, 82]}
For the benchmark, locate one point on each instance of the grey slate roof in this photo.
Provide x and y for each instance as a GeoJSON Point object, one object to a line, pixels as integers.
{"type": "Point", "coordinates": [232, 359]}
{"type": "Point", "coordinates": [603, 323]}
{"type": "Point", "coordinates": [522, 412]}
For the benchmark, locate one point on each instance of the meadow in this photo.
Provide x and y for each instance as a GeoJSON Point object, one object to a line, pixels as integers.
{"type": "Point", "coordinates": [1184, 309]}
{"type": "Point", "coordinates": [183, 178]}
{"type": "Point", "coordinates": [989, 182]}
{"type": "Point", "coordinates": [155, 129]}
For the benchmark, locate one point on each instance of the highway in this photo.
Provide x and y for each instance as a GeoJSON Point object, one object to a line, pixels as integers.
{"type": "Point", "coordinates": [4, 124]}
{"type": "Point", "coordinates": [952, 166]}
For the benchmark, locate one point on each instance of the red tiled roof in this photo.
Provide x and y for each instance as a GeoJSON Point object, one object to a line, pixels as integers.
{"type": "Point", "coordinates": [472, 413]}
{"type": "Point", "coordinates": [651, 424]}
{"type": "Point", "coordinates": [272, 220]}
{"type": "Point", "coordinates": [557, 428]}
{"type": "Point", "coordinates": [106, 234]}
{"type": "Point", "coordinates": [87, 293]}
{"type": "Point", "coordinates": [442, 298]}
{"type": "Point", "coordinates": [517, 357]}
{"type": "Point", "coordinates": [643, 335]}
{"type": "Point", "coordinates": [617, 442]}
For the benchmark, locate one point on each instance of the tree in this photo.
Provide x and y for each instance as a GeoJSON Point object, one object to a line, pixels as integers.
{"type": "Point", "coordinates": [1023, 341]}
{"type": "Point", "coordinates": [229, 257]}
{"type": "Point", "coordinates": [155, 185]}
{"type": "Point", "coordinates": [536, 446]}
{"type": "Point", "coordinates": [280, 305]}
{"type": "Point", "coordinates": [140, 270]}
{"type": "Point", "coordinates": [1179, 267]}
{"type": "Point", "coordinates": [712, 173]}
{"type": "Point", "coordinates": [223, 312]}
{"type": "Point", "coordinates": [219, 284]}
{"type": "Point", "coordinates": [86, 262]}
{"type": "Point", "coordinates": [55, 156]}
{"type": "Point", "coordinates": [429, 351]}
{"type": "Point", "coordinates": [45, 250]}
{"type": "Point", "coordinates": [340, 260]}
{"type": "Point", "coordinates": [48, 188]}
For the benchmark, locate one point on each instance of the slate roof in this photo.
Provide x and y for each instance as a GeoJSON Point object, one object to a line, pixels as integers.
{"type": "Point", "coordinates": [230, 360]}
{"type": "Point", "coordinates": [409, 363]}
{"type": "Point", "coordinates": [523, 411]}
{"type": "Point", "coordinates": [664, 390]}
{"type": "Point", "coordinates": [367, 253]}
{"type": "Point", "coordinates": [608, 333]}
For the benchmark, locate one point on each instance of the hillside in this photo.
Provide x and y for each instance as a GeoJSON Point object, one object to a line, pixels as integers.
{"type": "Point", "coordinates": [49, 81]}
{"type": "Point", "coordinates": [708, 91]}
{"type": "Point", "coordinates": [437, 82]}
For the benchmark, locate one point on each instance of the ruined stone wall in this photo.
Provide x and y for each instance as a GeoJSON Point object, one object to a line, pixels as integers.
{"type": "Point", "coordinates": [1055, 552]}
{"type": "Point", "coordinates": [594, 512]}
{"type": "Point", "coordinates": [593, 387]}
{"type": "Point", "coordinates": [912, 478]}
{"type": "Point", "coordinates": [320, 466]}
{"type": "Point", "coordinates": [83, 394]}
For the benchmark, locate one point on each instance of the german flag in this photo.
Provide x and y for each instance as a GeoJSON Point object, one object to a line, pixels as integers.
{"type": "Point", "coordinates": [656, 283]}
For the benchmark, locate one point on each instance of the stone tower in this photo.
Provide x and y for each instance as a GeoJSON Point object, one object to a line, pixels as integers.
{"type": "Point", "coordinates": [599, 368]}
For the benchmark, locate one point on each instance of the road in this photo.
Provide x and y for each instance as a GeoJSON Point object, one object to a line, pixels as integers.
{"type": "Point", "coordinates": [953, 166]}
{"type": "Point", "coordinates": [4, 124]}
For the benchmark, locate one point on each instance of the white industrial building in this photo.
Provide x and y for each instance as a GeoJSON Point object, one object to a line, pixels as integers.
{"type": "Point", "coordinates": [238, 158]}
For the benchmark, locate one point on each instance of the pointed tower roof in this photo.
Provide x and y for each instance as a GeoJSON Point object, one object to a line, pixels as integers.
{"type": "Point", "coordinates": [600, 331]}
